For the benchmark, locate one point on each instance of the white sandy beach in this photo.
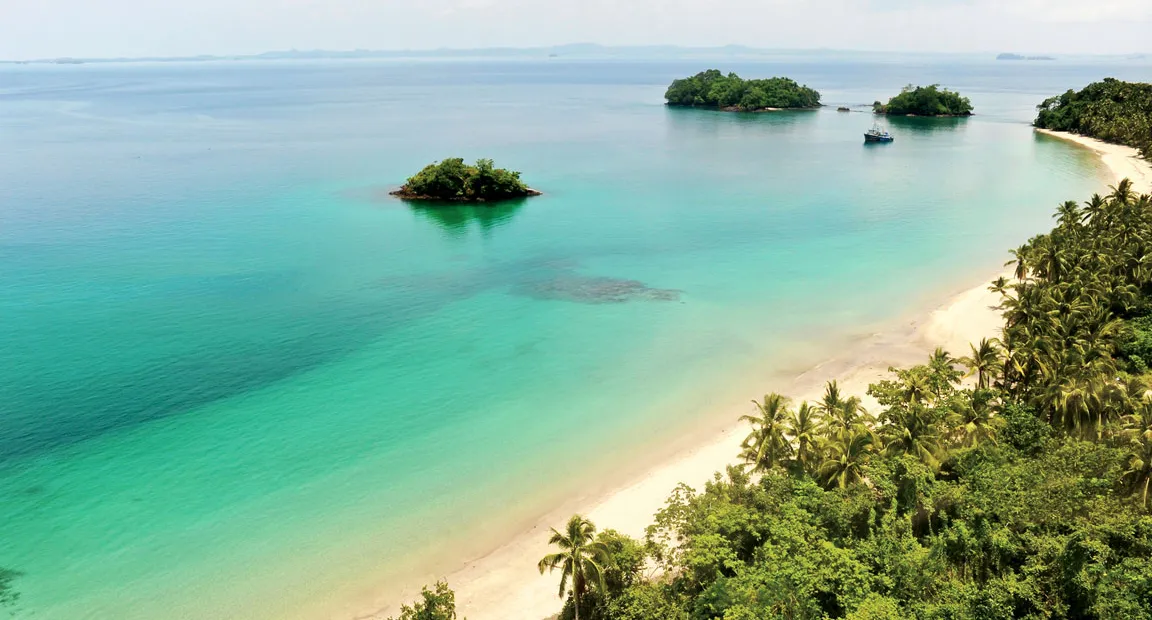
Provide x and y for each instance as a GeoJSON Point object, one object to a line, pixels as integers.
{"type": "Point", "coordinates": [1122, 161]}
{"type": "Point", "coordinates": [505, 583]}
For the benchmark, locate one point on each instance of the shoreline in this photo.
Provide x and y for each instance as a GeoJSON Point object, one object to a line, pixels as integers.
{"type": "Point", "coordinates": [406, 195]}
{"type": "Point", "coordinates": [505, 583]}
{"type": "Point", "coordinates": [895, 115]}
{"type": "Point", "coordinates": [733, 108]}
{"type": "Point", "coordinates": [1122, 161]}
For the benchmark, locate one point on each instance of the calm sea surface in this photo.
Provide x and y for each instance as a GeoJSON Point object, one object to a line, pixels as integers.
{"type": "Point", "coordinates": [238, 381]}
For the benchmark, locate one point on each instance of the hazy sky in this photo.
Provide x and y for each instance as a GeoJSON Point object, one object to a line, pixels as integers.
{"type": "Point", "coordinates": [49, 28]}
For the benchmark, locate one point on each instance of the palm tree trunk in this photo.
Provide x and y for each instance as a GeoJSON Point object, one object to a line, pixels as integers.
{"type": "Point", "coordinates": [576, 599]}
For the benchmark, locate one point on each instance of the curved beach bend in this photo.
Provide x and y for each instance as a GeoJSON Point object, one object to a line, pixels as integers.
{"type": "Point", "coordinates": [505, 583]}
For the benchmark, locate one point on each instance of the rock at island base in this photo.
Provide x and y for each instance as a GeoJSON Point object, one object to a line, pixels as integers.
{"type": "Point", "coordinates": [403, 194]}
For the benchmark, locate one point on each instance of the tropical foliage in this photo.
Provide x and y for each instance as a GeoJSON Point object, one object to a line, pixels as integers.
{"type": "Point", "coordinates": [581, 560]}
{"type": "Point", "coordinates": [768, 446]}
{"type": "Point", "coordinates": [1111, 110]}
{"type": "Point", "coordinates": [712, 89]}
{"type": "Point", "coordinates": [926, 101]}
{"type": "Point", "coordinates": [438, 604]}
{"type": "Point", "coordinates": [452, 179]}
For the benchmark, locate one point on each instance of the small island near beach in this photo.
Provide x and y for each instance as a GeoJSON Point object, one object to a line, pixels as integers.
{"type": "Point", "coordinates": [731, 93]}
{"type": "Point", "coordinates": [925, 101]}
{"type": "Point", "coordinates": [1111, 110]}
{"type": "Point", "coordinates": [454, 181]}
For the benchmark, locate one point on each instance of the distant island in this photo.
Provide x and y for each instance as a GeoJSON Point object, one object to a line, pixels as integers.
{"type": "Point", "coordinates": [453, 180]}
{"type": "Point", "coordinates": [712, 89]}
{"type": "Point", "coordinates": [1009, 56]}
{"type": "Point", "coordinates": [925, 101]}
{"type": "Point", "coordinates": [1111, 110]}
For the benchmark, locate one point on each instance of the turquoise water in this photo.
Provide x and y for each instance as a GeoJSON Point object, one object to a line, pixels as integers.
{"type": "Point", "coordinates": [238, 381]}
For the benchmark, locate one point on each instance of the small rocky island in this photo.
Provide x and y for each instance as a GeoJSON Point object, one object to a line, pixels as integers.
{"type": "Point", "coordinates": [925, 101]}
{"type": "Point", "coordinates": [714, 90]}
{"type": "Point", "coordinates": [453, 180]}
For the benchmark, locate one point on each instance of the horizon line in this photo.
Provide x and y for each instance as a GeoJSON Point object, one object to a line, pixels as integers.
{"type": "Point", "coordinates": [321, 53]}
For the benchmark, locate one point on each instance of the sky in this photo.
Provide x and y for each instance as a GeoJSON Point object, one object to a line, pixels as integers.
{"type": "Point", "coordinates": [114, 28]}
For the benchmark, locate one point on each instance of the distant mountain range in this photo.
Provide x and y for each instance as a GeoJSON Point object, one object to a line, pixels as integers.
{"type": "Point", "coordinates": [575, 50]}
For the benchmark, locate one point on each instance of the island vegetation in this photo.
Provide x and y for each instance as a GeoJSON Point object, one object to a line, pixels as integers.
{"type": "Point", "coordinates": [453, 180]}
{"type": "Point", "coordinates": [1110, 110]}
{"type": "Point", "coordinates": [436, 604]}
{"type": "Point", "coordinates": [925, 101]}
{"type": "Point", "coordinates": [713, 89]}
{"type": "Point", "coordinates": [1012, 482]}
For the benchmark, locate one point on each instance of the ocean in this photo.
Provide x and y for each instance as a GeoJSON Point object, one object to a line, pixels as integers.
{"type": "Point", "coordinates": [238, 380]}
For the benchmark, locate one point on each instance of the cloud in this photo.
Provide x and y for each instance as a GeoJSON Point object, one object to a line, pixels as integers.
{"type": "Point", "coordinates": [466, 6]}
{"type": "Point", "coordinates": [1076, 11]}
{"type": "Point", "coordinates": [46, 28]}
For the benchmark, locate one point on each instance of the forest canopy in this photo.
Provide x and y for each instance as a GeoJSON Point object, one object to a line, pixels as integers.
{"type": "Point", "coordinates": [712, 89]}
{"type": "Point", "coordinates": [454, 180]}
{"type": "Point", "coordinates": [1111, 110]}
{"type": "Point", "coordinates": [926, 101]}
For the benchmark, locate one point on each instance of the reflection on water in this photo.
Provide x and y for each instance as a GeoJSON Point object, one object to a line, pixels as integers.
{"type": "Point", "coordinates": [927, 124]}
{"type": "Point", "coordinates": [711, 121]}
{"type": "Point", "coordinates": [456, 219]}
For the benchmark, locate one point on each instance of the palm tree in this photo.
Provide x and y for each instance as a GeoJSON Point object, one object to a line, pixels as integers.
{"type": "Point", "coordinates": [911, 430]}
{"type": "Point", "coordinates": [1071, 403]}
{"type": "Point", "coordinates": [999, 286]}
{"type": "Point", "coordinates": [1069, 215]}
{"type": "Point", "coordinates": [976, 422]}
{"type": "Point", "coordinates": [1020, 260]}
{"type": "Point", "coordinates": [767, 446]}
{"type": "Point", "coordinates": [804, 428]}
{"type": "Point", "coordinates": [1093, 209]}
{"type": "Point", "coordinates": [831, 401]}
{"type": "Point", "coordinates": [943, 370]}
{"type": "Point", "coordinates": [581, 558]}
{"type": "Point", "coordinates": [984, 363]}
{"type": "Point", "coordinates": [847, 454]}
{"type": "Point", "coordinates": [1053, 261]}
{"type": "Point", "coordinates": [1137, 437]}
{"type": "Point", "coordinates": [839, 414]}
{"type": "Point", "coordinates": [917, 387]}
{"type": "Point", "coordinates": [1122, 192]}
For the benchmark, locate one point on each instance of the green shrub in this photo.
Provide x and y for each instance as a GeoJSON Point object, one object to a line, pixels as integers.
{"type": "Point", "coordinates": [1135, 344]}
{"type": "Point", "coordinates": [452, 179]}
{"type": "Point", "coordinates": [439, 604]}
{"type": "Point", "coordinates": [1023, 429]}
